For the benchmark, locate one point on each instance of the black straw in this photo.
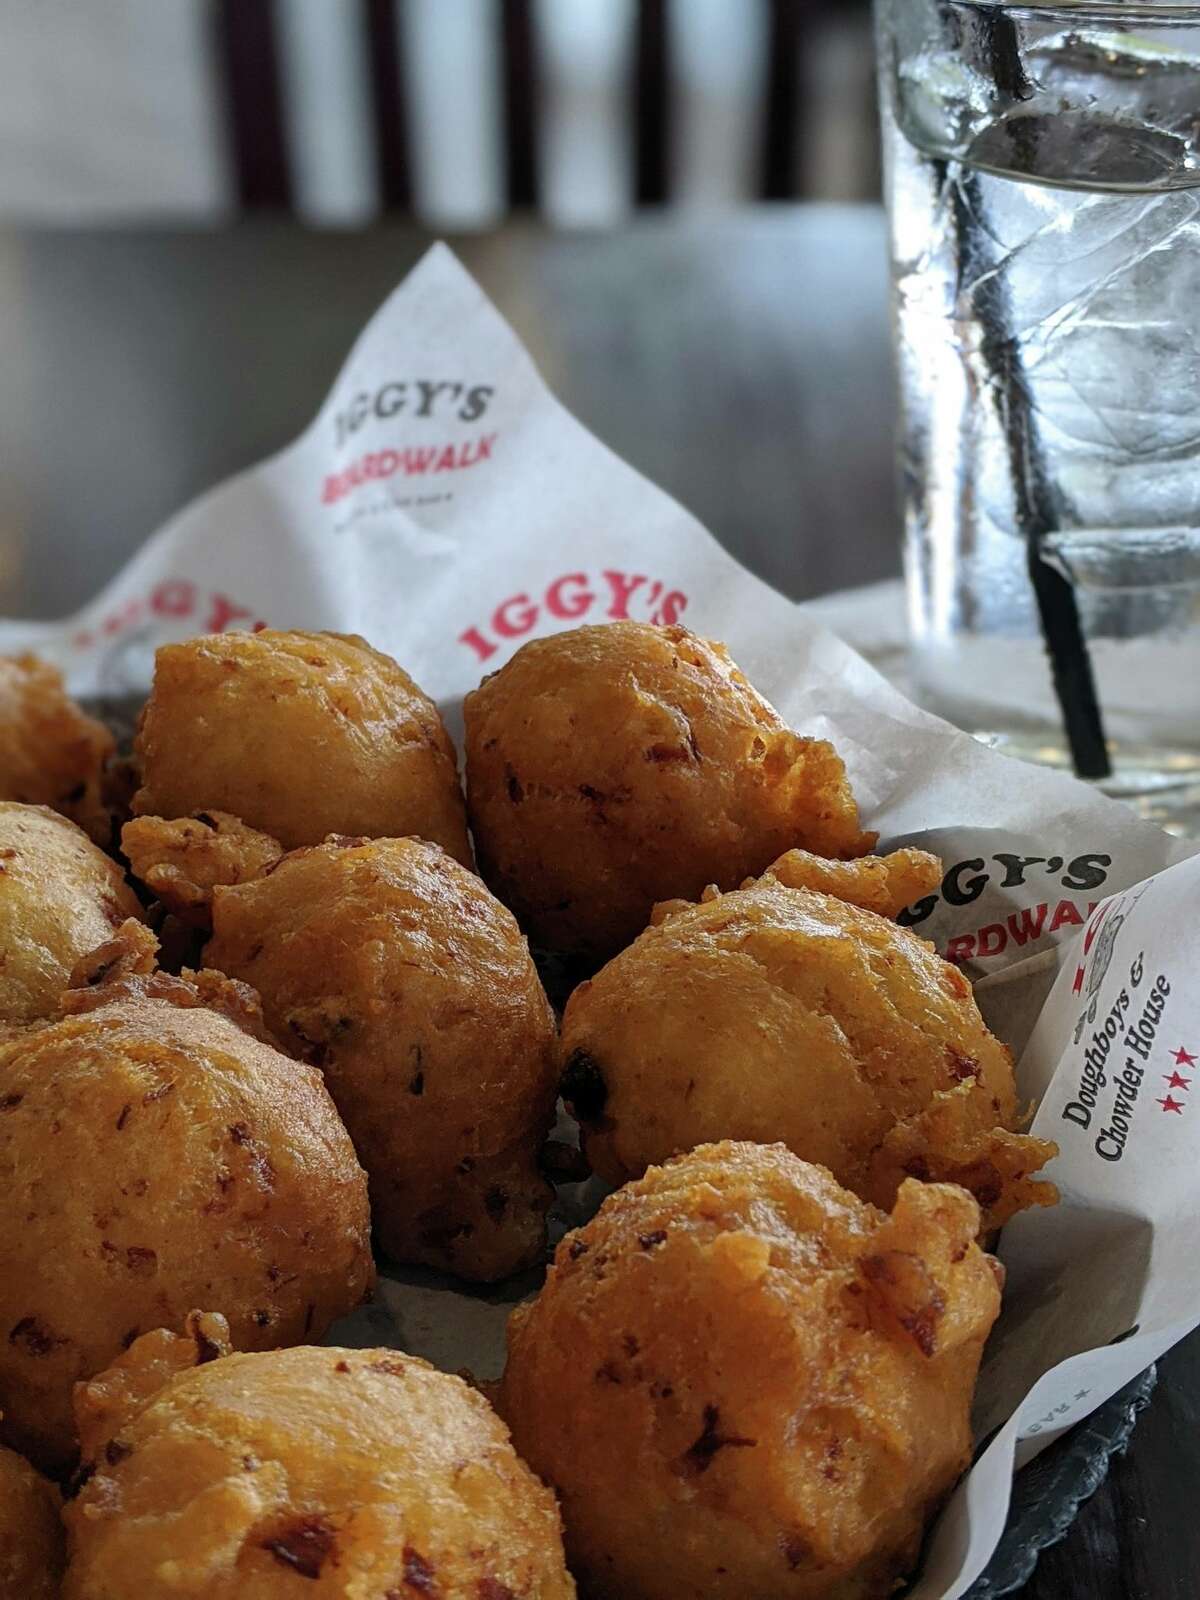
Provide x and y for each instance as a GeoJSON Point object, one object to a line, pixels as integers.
{"type": "Point", "coordinates": [1062, 632]}
{"type": "Point", "coordinates": [1036, 502]}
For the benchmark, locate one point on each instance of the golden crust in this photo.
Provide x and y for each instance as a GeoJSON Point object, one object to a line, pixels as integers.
{"type": "Point", "coordinates": [159, 1155]}
{"type": "Point", "coordinates": [393, 969]}
{"type": "Point", "coordinates": [51, 753]}
{"type": "Point", "coordinates": [59, 897]}
{"type": "Point", "coordinates": [126, 968]}
{"type": "Point", "coordinates": [31, 1535]}
{"type": "Point", "coordinates": [883, 884]}
{"type": "Point", "coordinates": [183, 860]}
{"type": "Point", "coordinates": [743, 1381]}
{"type": "Point", "coordinates": [300, 735]}
{"type": "Point", "coordinates": [614, 766]}
{"type": "Point", "coordinates": [777, 1013]}
{"type": "Point", "coordinates": [107, 1404]}
{"type": "Point", "coordinates": [356, 1474]}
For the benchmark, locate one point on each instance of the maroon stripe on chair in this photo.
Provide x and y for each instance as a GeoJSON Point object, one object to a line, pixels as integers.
{"type": "Point", "coordinates": [389, 111]}
{"type": "Point", "coordinates": [651, 105]}
{"type": "Point", "coordinates": [518, 48]}
{"type": "Point", "coordinates": [782, 105]}
{"type": "Point", "coordinates": [248, 58]}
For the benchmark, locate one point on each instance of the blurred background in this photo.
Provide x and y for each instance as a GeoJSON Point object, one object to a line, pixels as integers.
{"type": "Point", "coordinates": [453, 112]}
{"type": "Point", "coordinates": [673, 201]}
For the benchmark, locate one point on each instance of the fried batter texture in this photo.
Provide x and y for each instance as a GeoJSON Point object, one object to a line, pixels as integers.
{"type": "Point", "coordinates": [300, 735]}
{"type": "Point", "coordinates": [778, 1013]}
{"type": "Point", "coordinates": [883, 884]}
{"type": "Point", "coordinates": [51, 753]}
{"type": "Point", "coordinates": [183, 860]}
{"type": "Point", "coordinates": [614, 766]}
{"type": "Point", "coordinates": [341, 1474]}
{"type": "Point", "coordinates": [60, 896]}
{"type": "Point", "coordinates": [160, 1155]}
{"type": "Point", "coordinates": [743, 1381]}
{"type": "Point", "coordinates": [392, 968]}
{"type": "Point", "coordinates": [31, 1535]}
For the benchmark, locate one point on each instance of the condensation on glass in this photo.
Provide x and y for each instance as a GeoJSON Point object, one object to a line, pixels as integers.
{"type": "Point", "coordinates": [1043, 174]}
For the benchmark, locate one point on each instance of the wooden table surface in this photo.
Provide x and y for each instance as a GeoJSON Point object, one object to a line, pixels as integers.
{"type": "Point", "coordinates": [742, 363]}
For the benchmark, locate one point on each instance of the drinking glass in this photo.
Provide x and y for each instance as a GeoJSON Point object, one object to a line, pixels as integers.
{"type": "Point", "coordinates": [1042, 167]}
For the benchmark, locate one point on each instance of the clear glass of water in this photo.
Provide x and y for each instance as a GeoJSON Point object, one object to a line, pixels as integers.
{"type": "Point", "coordinates": [1043, 176]}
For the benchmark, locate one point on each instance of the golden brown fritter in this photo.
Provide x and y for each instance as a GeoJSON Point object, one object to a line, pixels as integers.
{"type": "Point", "coordinates": [182, 861]}
{"type": "Point", "coordinates": [60, 896]}
{"type": "Point", "coordinates": [355, 1474]}
{"type": "Point", "coordinates": [300, 735]}
{"type": "Point", "coordinates": [776, 1013]}
{"type": "Point", "coordinates": [614, 766]}
{"type": "Point", "coordinates": [31, 1535]}
{"type": "Point", "coordinates": [394, 970]}
{"type": "Point", "coordinates": [743, 1381]}
{"type": "Point", "coordinates": [51, 753]}
{"type": "Point", "coordinates": [159, 1155]}
{"type": "Point", "coordinates": [883, 884]}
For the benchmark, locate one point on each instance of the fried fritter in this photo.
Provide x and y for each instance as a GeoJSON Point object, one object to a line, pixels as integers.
{"type": "Point", "coordinates": [776, 1013]}
{"type": "Point", "coordinates": [300, 735]}
{"type": "Point", "coordinates": [160, 1155]}
{"type": "Point", "coordinates": [883, 884]}
{"type": "Point", "coordinates": [392, 968]}
{"type": "Point", "coordinates": [744, 1381]}
{"type": "Point", "coordinates": [51, 753]}
{"type": "Point", "coordinates": [182, 861]}
{"type": "Point", "coordinates": [611, 767]}
{"type": "Point", "coordinates": [31, 1535]}
{"type": "Point", "coordinates": [60, 896]}
{"type": "Point", "coordinates": [345, 1474]}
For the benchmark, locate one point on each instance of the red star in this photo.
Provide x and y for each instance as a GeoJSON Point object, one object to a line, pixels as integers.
{"type": "Point", "coordinates": [1183, 1058]}
{"type": "Point", "coordinates": [1171, 1105]}
{"type": "Point", "coordinates": [1174, 1081]}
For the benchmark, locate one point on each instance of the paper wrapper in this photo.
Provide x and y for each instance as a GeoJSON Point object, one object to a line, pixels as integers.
{"type": "Point", "coordinates": [444, 505]}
